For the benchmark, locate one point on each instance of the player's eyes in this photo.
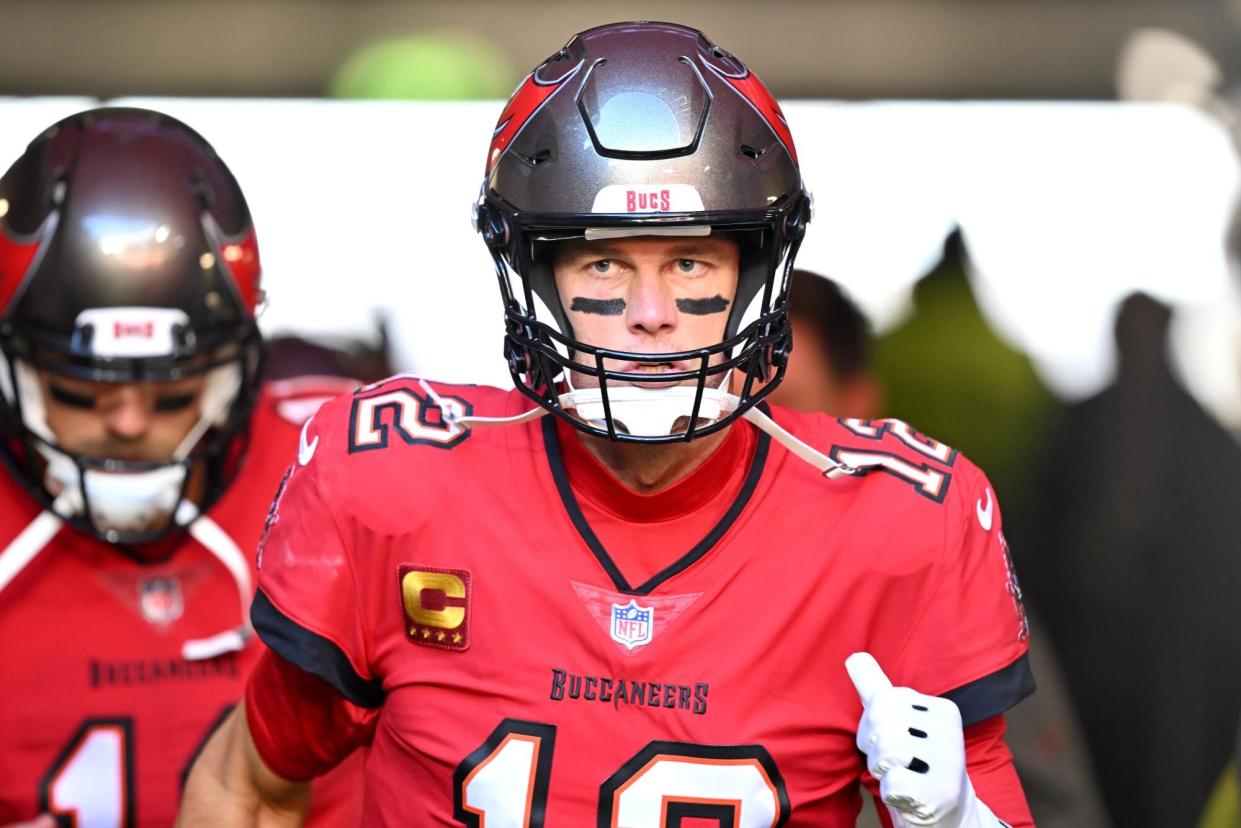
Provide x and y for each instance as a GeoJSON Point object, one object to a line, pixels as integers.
{"type": "Point", "coordinates": [601, 267]}
{"type": "Point", "coordinates": [690, 267]}
{"type": "Point", "coordinates": [72, 399]}
{"type": "Point", "coordinates": [174, 402]}
{"type": "Point", "coordinates": [166, 403]}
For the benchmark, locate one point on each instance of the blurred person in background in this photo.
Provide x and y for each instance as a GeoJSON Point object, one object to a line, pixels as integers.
{"type": "Point", "coordinates": [1195, 463]}
{"type": "Point", "coordinates": [830, 367]}
{"type": "Point", "coordinates": [830, 370]}
{"type": "Point", "coordinates": [1134, 573]}
{"type": "Point", "coordinates": [991, 404]}
{"type": "Point", "coordinates": [140, 453]}
{"type": "Point", "coordinates": [1223, 808]}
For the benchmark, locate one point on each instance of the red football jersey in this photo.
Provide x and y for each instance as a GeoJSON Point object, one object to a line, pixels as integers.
{"type": "Point", "coordinates": [100, 714]}
{"type": "Point", "coordinates": [449, 577]}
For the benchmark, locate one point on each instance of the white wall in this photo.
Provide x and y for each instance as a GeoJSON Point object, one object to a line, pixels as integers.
{"type": "Point", "coordinates": [362, 209]}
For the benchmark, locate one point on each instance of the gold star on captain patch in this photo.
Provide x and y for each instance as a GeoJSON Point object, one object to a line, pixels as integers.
{"type": "Point", "coordinates": [439, 636]}
{"type": "Point", "coordinates": [426, 633]}
{"type": "Point", "coordinates": [456, 638]}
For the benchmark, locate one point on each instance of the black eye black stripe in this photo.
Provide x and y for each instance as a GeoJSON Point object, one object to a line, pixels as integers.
{"type": "Point", "coordinates": [66, 397]}
{"type": "Point", "coordinates": [602, 307]}
{"type": "Point", "coordinates": [615, 307]}
{"type": "Point", "coordinates": [703, 307]}
{"type": "Point", "coordinates": [170, 402]}
{"type": "Point", "coordinates": [174, 402]}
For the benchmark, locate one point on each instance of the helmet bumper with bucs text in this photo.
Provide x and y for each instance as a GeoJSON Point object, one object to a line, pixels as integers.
{"type": "Point", "coordinates": [127, 255]}
{"type": "Point", "coordinates": [643, 129]}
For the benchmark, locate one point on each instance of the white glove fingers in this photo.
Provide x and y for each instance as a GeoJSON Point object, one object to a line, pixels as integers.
{"type": "Point", "coordinates": [881, 763]}
{"type": "Point", "coordinates": [867, 676]}
{"type": "Point", "coordinates": [897, 750]}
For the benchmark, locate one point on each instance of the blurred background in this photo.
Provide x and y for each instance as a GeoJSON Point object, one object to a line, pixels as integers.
{"type": "Point", "coordinates": [850, 49]}
{"type": "Point", "coordinates": [1024, 205]}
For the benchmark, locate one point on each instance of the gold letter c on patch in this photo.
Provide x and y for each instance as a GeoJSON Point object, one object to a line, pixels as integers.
{"type": "Point", "coordinates": [417, 582]}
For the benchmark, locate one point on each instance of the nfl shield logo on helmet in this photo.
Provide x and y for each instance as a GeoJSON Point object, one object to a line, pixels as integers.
{"type": "Point", "coordinates": [160, 600]}
{"type": "Point", "coordinates": [632, 624]}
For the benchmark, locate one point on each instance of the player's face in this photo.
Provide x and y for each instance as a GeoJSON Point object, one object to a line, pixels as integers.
{"type": "Point", "coordinates": [647, 295]}
{"type": "Point", "coordinates": [121, 421]}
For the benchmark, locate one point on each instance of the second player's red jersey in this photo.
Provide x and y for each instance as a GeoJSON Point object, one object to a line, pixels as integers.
{"type": "Point", "coordinates": [450, 578]}
{"type": "Point", "coordinates": [101, 712]}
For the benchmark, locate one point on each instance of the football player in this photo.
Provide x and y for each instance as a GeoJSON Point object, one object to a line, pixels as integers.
{"type": "Point", "coordinates": [636, 610]}
{"type": "Point", "coordinates": [140, 454]}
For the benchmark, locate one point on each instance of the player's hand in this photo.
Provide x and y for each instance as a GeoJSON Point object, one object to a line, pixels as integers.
{"type": "Point", "coordinates": [915, 747]}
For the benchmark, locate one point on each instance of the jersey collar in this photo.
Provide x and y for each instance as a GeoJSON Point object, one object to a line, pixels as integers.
{"type": "Point", "coordinates": [593, 481]}
{"type": "Point", "coordinates": [761, 443]}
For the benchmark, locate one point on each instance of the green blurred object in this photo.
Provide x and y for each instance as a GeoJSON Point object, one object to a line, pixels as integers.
{"type": "Point", "coordinates": [1224, 807]}
{"type": "Point", "coordinates": [947, 374]}
{"type": "Point", "coordinates": [431, 66]}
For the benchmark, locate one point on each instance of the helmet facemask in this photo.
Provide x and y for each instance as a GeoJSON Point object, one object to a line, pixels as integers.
{"type": "Point", "coordinates": [129, 501]}
{"type": "Point", "coordinates": [634, 406]}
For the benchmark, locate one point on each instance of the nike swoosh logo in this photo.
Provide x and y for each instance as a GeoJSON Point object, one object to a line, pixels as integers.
{"type": "Point", "coordinates": [305, 450]}
{"type": "Point", "coordinates": [984, 515]}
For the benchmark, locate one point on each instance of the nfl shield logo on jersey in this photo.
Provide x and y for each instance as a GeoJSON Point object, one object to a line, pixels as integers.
{"type": "Point", "coordinates": [160, 600]}
{"type": "Point", "coordinates": [629, 624]}
{"type": "Point", "coordinates": [632, 624]}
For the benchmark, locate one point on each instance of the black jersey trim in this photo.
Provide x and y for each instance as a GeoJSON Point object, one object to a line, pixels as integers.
{"type": "Point", "coordinates": [993, 694]}
{"type": "Point", "coordinates": [556, 461]}
{"type": "Point", "coordinates": [312, 653]}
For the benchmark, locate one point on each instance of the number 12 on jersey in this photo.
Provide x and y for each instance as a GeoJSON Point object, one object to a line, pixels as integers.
{"type": "Point", "coordinates": [505, 783]}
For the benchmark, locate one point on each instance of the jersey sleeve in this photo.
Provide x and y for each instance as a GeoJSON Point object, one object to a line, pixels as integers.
{"type": "Point", "coordinates": [307, 607]}
{"type": "Point", "coordinates": [301, 726]}
{"type": "Point", "coordinates": [969, 638]}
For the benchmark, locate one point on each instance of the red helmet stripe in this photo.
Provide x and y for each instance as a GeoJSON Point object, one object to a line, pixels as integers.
{"type": "Point", "coordinates": [15, 260]}
{"type": "Point", "coordinates": [526, 101]}
{"type": "Point", "coordinates": [242, 261]}
{"type": "Point", "coordinates": [758, 96]}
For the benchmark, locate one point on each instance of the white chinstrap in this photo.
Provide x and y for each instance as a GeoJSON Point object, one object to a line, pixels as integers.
{"type": "Point", "coordinates": [727, 404]}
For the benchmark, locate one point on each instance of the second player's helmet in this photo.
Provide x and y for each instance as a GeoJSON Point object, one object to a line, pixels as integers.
{"type": "Point", "coordinates": [643, 129]}
{"type": "Point", "coordinates": [127, 255]}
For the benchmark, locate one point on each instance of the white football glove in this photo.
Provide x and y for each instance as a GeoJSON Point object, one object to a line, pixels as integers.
{"type": "Point", "coordinates": [915, 747]}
